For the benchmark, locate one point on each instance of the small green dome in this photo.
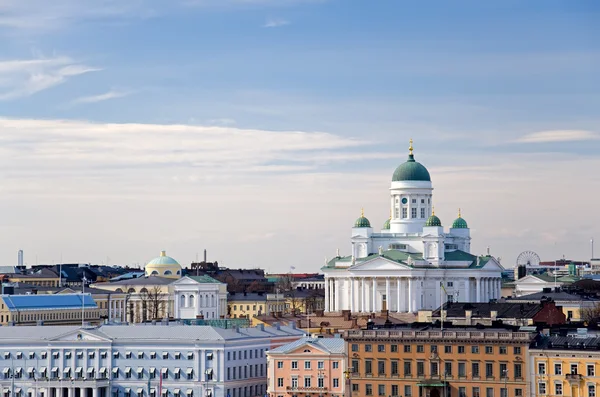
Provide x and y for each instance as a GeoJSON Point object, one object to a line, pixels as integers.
{"type": "Point", "coordinates": [362, 222]}
{"type": "Point", "coordinates": [433, 221]}
{"type": "Point", "coordinates": [386, 225]}
{"type": "Point", "coordinates": [459, 223]}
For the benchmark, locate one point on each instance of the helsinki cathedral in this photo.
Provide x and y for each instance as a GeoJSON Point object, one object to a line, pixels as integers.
{"type": "Point", "coordinates": [412, 263]}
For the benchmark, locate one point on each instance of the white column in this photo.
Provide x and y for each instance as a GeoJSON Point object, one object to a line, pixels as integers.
{"type": "Point", "coordinates": [94, 392]}
{"type": "Point", "coordinates": [351, 282]}
{"type": "Point", "coordinates": [374, 303]}
{"type": "Point", "coordinates": [410, 294]}
{"type": "Point", "coordinates": [398, 281]}
{"type": "Point", "coordinates": [337, 294]}
{"type": "Point", "coordinates": [467, 297]}
{"type": "Point", "coordinates": [363, 295]}
{"type": "Point", "coordinates": [499, 281]}
{"type": "Point", "coordinates": [388, 298]}
{"type": "Point", "coordinates": [327, 294]}
{"type": "Point", "coordinates": [478, 289]}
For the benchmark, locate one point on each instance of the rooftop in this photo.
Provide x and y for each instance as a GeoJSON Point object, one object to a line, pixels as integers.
{"type": "Point", "coordinates": [560, 296]}
{"type": "Point", "coordinates": [484, 310]}
{"type": "Point", "coordinates": [205, 279]}
{"type": "Point", "coordinates": [145, 280]}
{"type": "Point", "coordinates": [330, 345]}
{"type": "Point", "coordinates": [48, 301]}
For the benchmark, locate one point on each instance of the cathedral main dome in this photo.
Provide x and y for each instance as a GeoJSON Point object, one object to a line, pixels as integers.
{"type": "Point", "coordinates": [411, 170]}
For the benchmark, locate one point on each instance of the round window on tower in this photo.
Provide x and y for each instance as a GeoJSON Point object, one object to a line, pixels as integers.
{"type": "Point", "coordinates": [404, 200]}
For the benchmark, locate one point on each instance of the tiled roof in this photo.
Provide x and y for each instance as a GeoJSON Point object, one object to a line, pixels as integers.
{"type": "Point", "coordinates": [205, 279]}
{"type": "Point", "coordinates": [46, 301]}
{"type": "Point", "coordinates": [330, 345]}
{"type": "Point", "coordinates": [483, 310]}
{"type": "Point", "coordinates": [145, 280]}
{"type": "Point", "coordinates": [568, 343]}
{"type": "Point", "coordinates": [555, 296]}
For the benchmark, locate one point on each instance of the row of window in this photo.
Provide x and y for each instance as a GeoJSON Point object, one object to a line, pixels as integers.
{"type": "Point", "coordinates": [308, 364]}
{"type": "Point", "coordinates": [103, 373]}
{"type": "Point", "coordinates": [573, 369]}
{"type": "Point", "coordinates": [104, 354]}
{"type": "Point", "coordinates": [435, 370]}
{"type": "Point", "coordinates": [308, 382]}
{"type": "Point", "coordinates": [74, 314]}
{"type": "Point", "coordinates": [245, 354]}
{"type": "Point", "coordinates": [246, 371]}
{"type": "Point", "coordinates": [247, 391]}
{"type": "Point", "coordinates": [448, 349]}
{"type": "Point", "coordinates": [408, 392]}
{"type": "Point", "coordinates": [558, 389]}
{"type": "Point", "coordinates": [260, 307]}
{"type": "Point", "coordinates": [205, 300]}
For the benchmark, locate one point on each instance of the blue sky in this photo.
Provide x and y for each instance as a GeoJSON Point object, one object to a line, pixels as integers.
{"type": "Point", "coordinates": [135, 126]}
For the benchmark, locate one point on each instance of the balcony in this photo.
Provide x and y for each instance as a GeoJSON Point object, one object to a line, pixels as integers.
{"type": "Point", "coordinates": [574, 377]}
{"type": "Point", "coordinates": [307, 389]}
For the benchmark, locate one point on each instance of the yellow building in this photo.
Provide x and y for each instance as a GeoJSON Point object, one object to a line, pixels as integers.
{"type": "Point", "coordinates": [41, 278]}
{"type": "Point", "coordinates": [565, 366]}
{"type": "Point", "coordinates": [251, 304]}
{"type": "Point", "coordinates": [572, 305]}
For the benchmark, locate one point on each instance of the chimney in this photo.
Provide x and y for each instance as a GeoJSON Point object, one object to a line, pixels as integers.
{"type": "Point", "coordinates": [346, 315]}
{"type": "Point", "coordinates": [493, 314]}
{"type": "Point", "coordinates": [204, 255]}
{"type": "Point", "coordinates": [468, 315]}
{"type": "Point", "coordinates": [260, 327]}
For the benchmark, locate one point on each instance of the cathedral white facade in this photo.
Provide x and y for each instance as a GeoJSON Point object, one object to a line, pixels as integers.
{"type": "Point", "coordinates": [412, 263]}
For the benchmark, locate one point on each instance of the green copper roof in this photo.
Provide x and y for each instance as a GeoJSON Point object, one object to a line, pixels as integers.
{"type": "Point", "coordinates": [386, 225]}
{"type": "Point", "coordinates": [204, 279]}
{"type": "Point", "coordinates": [411, 171]}
{"type": "Point", "coordinates": [362, 222]}
{"type": "Point", "coordinates": [459, 223]}
{"type": "Point", "coordinates": [433, 221]}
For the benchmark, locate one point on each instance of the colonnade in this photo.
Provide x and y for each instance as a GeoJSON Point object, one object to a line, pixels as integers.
{"type": "Point", "coordinates": [367, 294]}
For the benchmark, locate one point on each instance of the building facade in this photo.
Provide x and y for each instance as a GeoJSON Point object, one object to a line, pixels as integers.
{"type": "Point", "coordinates": [57, 309]}
{"type": "Point", "coordinates": [429, 362]}
{"type": "Point", "coordinates": [199, 296]}
{"type": "Point", "coordinates": [402, 267]}
{"type": "Point", "coordinates": [137, 361]}
{"type": "Point", "coordinates": [309, 366]}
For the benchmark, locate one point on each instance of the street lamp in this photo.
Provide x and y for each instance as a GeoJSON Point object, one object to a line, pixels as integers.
{"type": "Point", "coordinates": [347, 374]}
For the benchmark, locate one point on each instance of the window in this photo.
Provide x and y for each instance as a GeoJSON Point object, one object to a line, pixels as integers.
{"type": "Point", "coordinates": [368, 367]}
{"type": "Point", "coordinates": [414, 201]}
{"type": "Point", "coordinates": [462, 370]}
{"type": "Point", "coordinates": [307, 365]}
{"type": "Point", "coordinates": [542, 388]}
{"type": "Point", "coordinates": [336, 382]}
{"type": "Point", "coordinates": [422, 212]}
{"type": "Point", "coordinates": [518, 371]}
{"type": "Point", "coordinates": [462, 392]}
{"type": "Point", "coordinates": [450, 283]}
{"type": "Point", "coordinates": [355, 387]}
{"type": "Point", "coordinates": [448, 368]}
{"type": "Point", "coordinates": [591, 391]}
{"type": "Point", "coordinates": [354, 347]}
{"type": "Point", "coordinates": [405, 213]}
{"type": "Point", "coordinates": [475, 349]}
{"type": "Point", "coordinates": [336, 365]}
{"type": "Point", "coordinates": [413, 213]}
{"type": "Point", "coordinates": [394, 390]}
{"type": "Point", "coordinates": [369, 389]}
{"type": "Point", "coordinates": [476, 392]}
{"type": "Point", "coordinates": [420, 348]}
{"type": "Point", "coordinates": [558, 389]}
{"type": "Point", "coordinates": [368, 348]}
{"type": "Point", "coordinates": [381, 390]}
{"type": "Point", "coordinates": [489, 350]}
{"type": "Point", "coordinates": [557, 369]}
{"type": "Point", "coordinates": [541, 368]}
{"type": "Point", "coordinates": [503, 350]}
{"type": "Point", "coordinates": [475, 369]}
{"type": "Point", "coordinates": [447, 349]}
{"type": "Point", "coordinates": [407, 391]}
{"type": "Point", "coordinates": [279, 382]}
{"type": "Point", "coordinates": [355, 366]}
{"type": "Point", "coordinates": [279, 364]}
{"type": "Point", "coordinates": [591, 370]}
{"type": "Point", "coordinates": [320, 381]}
{"type": "Point", "coordinates": [394, 370]}
{"type": "Point", "coordinates": [420, 368]}
{"type": "Point", "coordinates": [489, 370]}
{"type": "Point", "coordinates": [569, 314]}
{"type": "Point", "coordinates": [434, 348]}
{"type": "Point", "coordinates": [518, 392]}
{"type": "Point", "coordinates": [574, 369]}
{"type": "Point", "coordinates": [320, 364]}
{"type": "Point", "coordinates": [434, 368]}
{"type": "Point", "coordinates": [489, 392]}
{"type": "Point", "coordinates": [461, 350]}
{"type": "Point", "coordinates": [294, 364]}
{"type": "Point", "coordinates": [394, 348]}
{"type": "Point", "coordinates": [406, 348]}
{"type": "Point", "coordinates": [407, 369]}
{"type": "Point", "coordinates": [517, 350]}
{"type": "Point", "coordinates": [380, 348]}
{"type": "Point", "coordinates": [381, 367]}
{"type": "Point", "coordinates": [152, 355]}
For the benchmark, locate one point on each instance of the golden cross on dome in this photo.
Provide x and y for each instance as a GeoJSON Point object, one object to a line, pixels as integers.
{"type": "Point", "coordinates": [459, 213]}
{"type": "Point", "coordinates": [432, 210]}
{"type": "Point", "coordinates": [362, 212]}
{"type": "Point", "coordinates": [410, 148]}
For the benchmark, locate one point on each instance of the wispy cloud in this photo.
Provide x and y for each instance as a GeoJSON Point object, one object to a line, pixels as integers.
{"type": "Point", "coordinates": [275, 22]}
{"type": "Point", "coordinates": [559, 136]}
{"type": "Point", "coordinates": [21, 78]}
{"type": "Point", "coordinates": [112, 94]}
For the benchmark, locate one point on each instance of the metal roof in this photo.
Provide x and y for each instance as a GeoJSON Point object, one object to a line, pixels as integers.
{"type": "Point", "coordinates": [330, 345]}
{"type": "Point", "coordinates": [48, 301]}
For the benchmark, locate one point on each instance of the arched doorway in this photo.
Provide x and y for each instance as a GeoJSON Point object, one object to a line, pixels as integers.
{"type": "Point", "coordinates": [434, 393]}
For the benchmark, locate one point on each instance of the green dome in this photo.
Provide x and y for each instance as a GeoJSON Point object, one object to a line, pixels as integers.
{"type": "Point", "coordinates": [433, 221]}
{"type": "Point", "coordinates": [386, 225]}
{"type": "Point", "coordinates": [362, 222]}
{"type": "Point", "coordinates": [459, 223]}
{"type": "Point", "coordinates": [411, 171]}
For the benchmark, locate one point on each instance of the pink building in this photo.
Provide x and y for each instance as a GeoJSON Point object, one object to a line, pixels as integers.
{"type": "Point", "coordinates": [308, 367]}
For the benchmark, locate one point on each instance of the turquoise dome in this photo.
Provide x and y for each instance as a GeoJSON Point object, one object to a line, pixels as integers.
{"type": "Point", "coordinates": [411, 170]}
{"type": "Point", "coordinates": [386, 225]}
{"type": "Point", "coordinates": [433, 221]}
{"type": "Point", "coordinates": [362, 222]}
{"type": "Point", "coordinates": [459, 223]}
{"type": "Point", "coordinates": [163, 259]}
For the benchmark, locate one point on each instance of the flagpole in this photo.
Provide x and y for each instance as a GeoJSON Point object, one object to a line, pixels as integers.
{"type": "Point", "coordinates": [442, 305]}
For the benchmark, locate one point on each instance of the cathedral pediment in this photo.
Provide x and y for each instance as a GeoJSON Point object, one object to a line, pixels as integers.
{"type": "Point", "coordinates": [378, 264]}
{"type": "Point", "coordinates": [80, 335]}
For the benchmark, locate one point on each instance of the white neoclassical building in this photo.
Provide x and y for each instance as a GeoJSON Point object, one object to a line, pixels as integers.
{"type": "Point", "coordinates": [199, 296]}
{"type": "Point", "coordinates": [412, 263]}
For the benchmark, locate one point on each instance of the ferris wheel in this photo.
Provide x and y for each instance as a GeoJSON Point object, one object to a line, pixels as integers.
{"type": "Point", "coordinates": [528, 259]}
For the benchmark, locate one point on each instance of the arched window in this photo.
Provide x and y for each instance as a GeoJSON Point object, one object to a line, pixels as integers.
{"type": "Point", "coordinates": [192, 301]}
{"type": "Point", "coordinates": [131, 291]}
{"type": "Point", "coordinates": [212, 300]}
{"type": "Point", "coordinates": [119, 290]}
{"type": "Point", "coordinates": [143, 290]}
{"type": "Point", "coordinates": [168, 272]}
{"type": "Point", "coordinates": [154, 273]}
{"type": "Point", "coordinates": [182, 301]}
{"type": "Point", "coordinates": [178, 272]}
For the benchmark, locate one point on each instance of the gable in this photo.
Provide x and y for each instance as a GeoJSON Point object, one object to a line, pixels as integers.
{"type": "Point", "coordinates": [492, 264]}
{"type": "Point", "coordinates": [530, 280]}
{"type": "Point", "coordinates": [307, 349]}
{"type": "Point", "coordinates": [79, 335]}
{"type": "Point", "coordinates": [185, 281]}
{"type": "Point", "coordinates": [378, 264]}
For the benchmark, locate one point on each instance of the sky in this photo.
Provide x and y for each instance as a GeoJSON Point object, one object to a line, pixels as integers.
{"type": "Point", "coordinates": [258, 129]}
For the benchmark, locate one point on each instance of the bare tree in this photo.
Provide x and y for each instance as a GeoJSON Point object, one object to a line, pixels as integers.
{"type": "Point", "coordinates": [294, 301]}
{"type": "Point", "coordinates": [153, 302]}
{"type": "Point", "coordinates": [285, 283]}
{"type": "Point", "coordinates": [311, 302]}
{"type": "Point", "coordinates": [254, 286]}
{"type": "Point", "coordinates": [591, 315]}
